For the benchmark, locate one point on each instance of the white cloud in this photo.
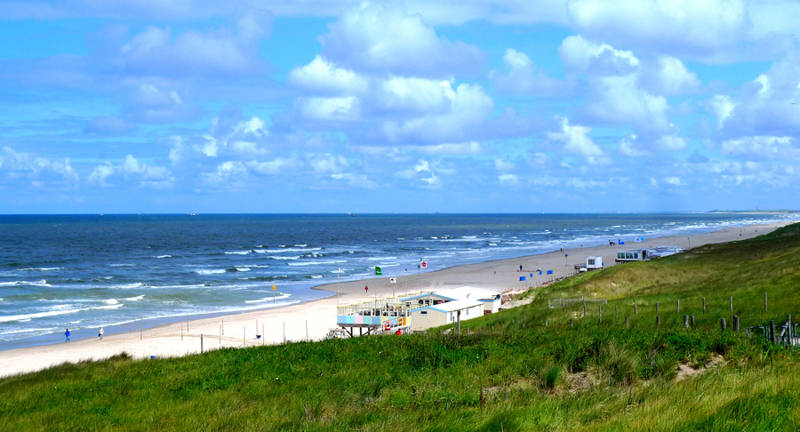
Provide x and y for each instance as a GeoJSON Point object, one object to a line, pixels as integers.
{"type": "Point", "coordinates": [131, 169]}
{"type": "Point", "coordinates": [454, 149]}
{"type": "Point", "coordinates": [274, 166]}
{"type": "Point", "coordinates": [672, 180]}
{"type": "Point", "coordinates": [38, 169]}
{"type": "Point", "coordinates": [156, 50]}
{"type": "Point", "coordinates": [329, 108]}
{"type": "Point", "coordinates": [723, 107]}
{"type": "Point", "coordinates": [666, 25]}
{"type": "Point", "coordinates": [503, 165]}
{"type": "Point", "coordinates": [510, 179]}
{"type": "Point", "coordinates": [576, 140]}
{"type": "Point", "coordinates": [242, 137]}
{"type": "Point", "coordinates": [670, 143]}
{"type": "Point", "coordinates": [322, 76]}
{"type": "Point", "coordinates": [357, 180]}
{"type": "Point", "coordinates": [670, 76]}
{"type": "Point", "coordinates": [522, 77]}
{"type": "Point", "coordinates": [468, 105]}
{"type": "Point", "coordinates": [762, 147]}
{"type": "Point", "coordinates": [619, 99]}
{"type": "Point", "coordinates": [601, 59]}
{"type": "Point", "coordinates": [382, 39]}
{"type": "Point", "coordinates": [415, 94]}
{"type": "Point", "coordinates": [228, 173]}
{"type": "Point", "coordinates": [422, 171]}
{"type": "Point", "coordinates": [176, 149]}
{"type": "Point", "coordinates": [328, 163]}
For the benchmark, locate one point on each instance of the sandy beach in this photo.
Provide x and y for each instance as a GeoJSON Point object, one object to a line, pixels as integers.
{"type": "Point", "coordinates": [314, 319]}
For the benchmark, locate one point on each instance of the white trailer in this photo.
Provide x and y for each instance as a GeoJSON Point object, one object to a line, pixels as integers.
{"type": "Point", "coordinates": [594, 263]}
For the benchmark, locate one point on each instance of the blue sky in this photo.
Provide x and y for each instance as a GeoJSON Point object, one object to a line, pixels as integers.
{"type": "Point", "coordinates": [407, 106]}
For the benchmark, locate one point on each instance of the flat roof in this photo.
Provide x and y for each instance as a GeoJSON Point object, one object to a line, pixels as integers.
{"type": "Point", "coordinates": [452, 306]}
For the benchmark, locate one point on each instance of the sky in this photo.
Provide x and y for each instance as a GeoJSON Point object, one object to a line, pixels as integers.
{"type": "Point", "coordinates": [165, 106]}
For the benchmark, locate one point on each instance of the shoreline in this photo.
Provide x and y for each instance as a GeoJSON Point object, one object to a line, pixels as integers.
{"type": "Point", "coordinates": [312, 320]}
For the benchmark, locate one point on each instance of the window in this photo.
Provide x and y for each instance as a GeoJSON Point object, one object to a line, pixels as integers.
{"type": "Point", "coordinates": [590, 261]}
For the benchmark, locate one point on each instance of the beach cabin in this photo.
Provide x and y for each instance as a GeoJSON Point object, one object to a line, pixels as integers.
{"type": "Point", "coordinates": [632, 255]}
{"type": "Point", "coordinates": [425, 317]}
{"type": "Point", "coordinates": [594, 263]}
{"type": "Point", "coordinates": [490, 299]}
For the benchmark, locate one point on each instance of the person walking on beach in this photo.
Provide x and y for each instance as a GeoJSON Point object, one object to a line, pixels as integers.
{"type": "Point", "coordinates": [66, 335]}
{"type": "Point", "coordinates": [100, 333]}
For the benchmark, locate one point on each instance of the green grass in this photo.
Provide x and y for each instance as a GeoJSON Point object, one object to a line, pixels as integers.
{"type": "Point", "coordinates": [530, 368]}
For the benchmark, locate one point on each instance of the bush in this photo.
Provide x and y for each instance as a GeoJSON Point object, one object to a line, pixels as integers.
{"type": "Point", "coordinates": [621, 365]}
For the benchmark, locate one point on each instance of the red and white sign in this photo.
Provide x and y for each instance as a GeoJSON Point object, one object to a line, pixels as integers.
{"type": "Point", "coordinates": [423, 264]}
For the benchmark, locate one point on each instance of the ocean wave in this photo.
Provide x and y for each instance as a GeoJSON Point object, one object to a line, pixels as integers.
{"type": "Point", "coordinates": [111, 301]}
{"type": "Point", "coordinates": [269, 299]}
{"type": "Point", "coordinates": [311, 263]}
{"type": "Point", "coordinates": [300, 249]}
{"type": "Point", "coordinates": [126, 286]}
{"type": "Point", "coordinates": [206, 272]}
{"type": "Point", "coordinates": [56, 311]}
{"type": "Point", "coordinates": [284, 257]}
{"type": "Point", "coordinates": [316, 276]}
{"type": "Point", "coordinates": [382, 258]}
{"type": "Point", "coordinates": [164, 256]}
{"type": "Point", "coordinates": [42, 269]}
{"type": "Point", "coordinates": [39, 283]}
{"type": "Point", "coordinates": [137, 298]}
{"type": "Point", "coordinates": [121, 265]}
{"type": "Point", "coordinates": [244, 252]}
{"type": "Point", "coordinates": [240, 269]}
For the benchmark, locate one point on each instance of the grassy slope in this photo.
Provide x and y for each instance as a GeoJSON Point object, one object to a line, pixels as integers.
{"type": "Point", "coordinates": [435, 381]}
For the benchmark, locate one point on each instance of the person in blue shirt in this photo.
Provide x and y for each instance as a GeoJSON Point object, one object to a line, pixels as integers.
{"type": "Point", "coordinates": [66, 334]}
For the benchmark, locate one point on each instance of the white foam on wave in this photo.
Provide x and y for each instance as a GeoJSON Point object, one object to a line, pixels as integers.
{"type": "Point", "coordinates": [337, 271]}
{"type": "Point", "coordinates": [311, 263]}
{"type": "Point", "coordinates": [111, 301]}
{"type": "Point", "coordinates": [242, 269]}
{"type": "Point", "coordinates": [300, 249]}
{"type": "Point", "coordinates": [382, 258]}
{"type": "Point", "coordinates": [284, 257]}
{"type": "Point", "coordinates": [137, 298]}
{"type": "Point", "coordinates": [42, 269]}
{"type": "Point", "coordinates": [244, 252]}
{"type": "Point", "coordinates": [121, 265]}
{"type": "Point", "coordinates": [39, 283]}
{"type": "Point", "coordinates": [269, 299]}
{"type": "Point", "coordinates": [258, 265]}
{"type": "Point", "coordinates": [55, 311]}
{"type": "Point", "coordinates": [207, 272]}
{"type": "Point", "coordinates": [316, 276]}
{"type": "Point", "coordinates": [127, 286]}
{"type": "Point", "coordinates": [164, 256]}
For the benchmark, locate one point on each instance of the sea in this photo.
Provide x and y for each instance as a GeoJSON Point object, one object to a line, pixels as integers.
{"type": "Point", "coordinates": [126, 272]}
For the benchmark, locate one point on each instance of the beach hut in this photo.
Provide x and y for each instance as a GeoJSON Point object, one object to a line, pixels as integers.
{"type": "Point", "coordinates": [490, 299]}
{"type": "Point", "coordinates": [445, 313]}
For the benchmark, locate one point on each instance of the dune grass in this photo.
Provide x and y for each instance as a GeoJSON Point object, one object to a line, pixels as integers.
{"type": "Point", "coordinates": [530, 368]}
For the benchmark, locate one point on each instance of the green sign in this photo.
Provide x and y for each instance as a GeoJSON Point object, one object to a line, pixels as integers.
{"type": "Point", "coordinates": [378, 271]}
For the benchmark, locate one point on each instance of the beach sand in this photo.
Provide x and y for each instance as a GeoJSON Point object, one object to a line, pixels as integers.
{"type": "Point", "coordinates": [314, 319]}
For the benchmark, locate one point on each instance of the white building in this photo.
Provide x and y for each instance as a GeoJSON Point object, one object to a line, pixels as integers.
{"type": "Point", "coordinates": [490, 299]}
{"type": "Point", "coordinates": [440, 314]}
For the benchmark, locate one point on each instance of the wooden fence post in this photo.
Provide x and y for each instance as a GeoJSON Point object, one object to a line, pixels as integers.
{"type": "Point", "coordinates": [678, 306]}
{"type": "Point", "coordinates": [627, 325]}
{"type": "Point", "coordinates": [583, 298]}
{"type": "Point", "coordinates": [600, 311]}
{"type": "Point", "coordinates": [765, 302]}
{"type": "Point", "coordinates": [772, 337]}
{"type": "Point", "coordinates": [616, 311]}
{"type": "Point", "coordinates": [730, 299]}
{"type": "Point", "coordinates": [201, 343]}
{"type": "Point", "coordinates": [691, 320]}
{"type": "Point", "coordinates": [658, 320]}
{"type": "Point", "coordinates": [656, 308]}
{"type": "Point", "coordinates": [736, 323]}
{"type": "Point", "coordinates": [722, 323]}
{"type": "Point", "coordinates": [686, 321]}
{"type": "Point", "coordinates": [704, 305]}
{"type": "Point", "coordinates": [284, 332]}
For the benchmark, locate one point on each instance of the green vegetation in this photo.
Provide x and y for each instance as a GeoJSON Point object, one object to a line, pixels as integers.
{"type": "Point", "coordinates": [529, 368]}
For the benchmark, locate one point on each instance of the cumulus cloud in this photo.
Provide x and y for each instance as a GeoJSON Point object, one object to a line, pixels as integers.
{"type": "Point", "coordinates": [242, 137]}
{"type": "Point", "coordinates": [583, 55]}
{"type": "Point", "coordinates": [321, 75]}
{"type": "Point", "coordinates": [387, 40]}
{"type": "Point", "coordinates": [522, 77]}
{"type": "Point", "coordinates": [466, 106]}
{"type": "Point", "coordinates": [219, 51]}
{"type": "Point", "coordinates": [762, 147]}
{"type": "Point", "coordinates": [576, 140]}
{"type": "Point", "coordinates": [422, 171]}
{"type": "Point", "coordinates": [678, 26]}
{"type": "Point", "coordinates": [39, 170]}
{"type": "Point", "coordinates": [131, 169]}
{"type": "Point", "coordinates": [669, 76]}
